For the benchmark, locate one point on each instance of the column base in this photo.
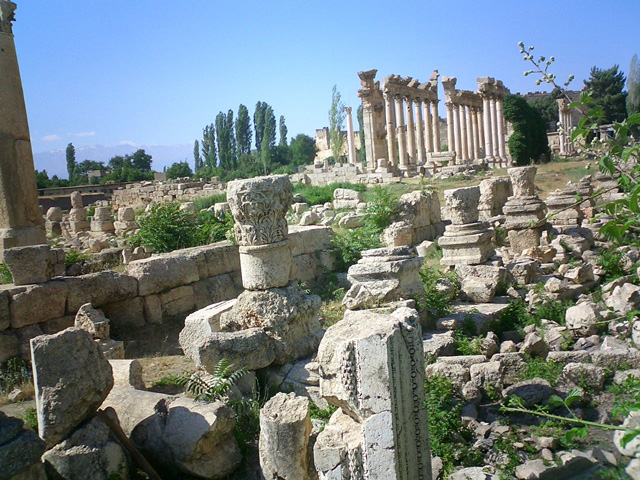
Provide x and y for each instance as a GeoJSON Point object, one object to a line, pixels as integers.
{"type": "Point", "coordinates": [21, 237]}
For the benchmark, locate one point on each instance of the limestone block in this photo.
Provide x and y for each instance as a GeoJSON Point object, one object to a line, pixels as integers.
{"type": "Point", "coordinates": [309, 239]}
{"type": "Point", "coordinates": [462, 205]}
{"type": "Point", "coordinates": [631, 448]}
{"type": "Point", "coordinates": [266, 266]}
{"type": "Point", "coordinates": [346, 198]}
{"type": "Point", "coordinates": [285, 427]}
{"type": "Point", "coordinates": [286, 315]}
{"type": "Point", "coordinates": [579, 374]}
{"type": "Point", "coordinates": [89, 453]}
{"type": "Point", "coordinates": [466, 244]}
{"type": "Point", "coordinates": [136, 411]}
{"type": "Point", "coordinates": [299, 207]}
{"type": "Point", "coordinates": [156, 274]}
{"type": "Point", "coordinates": [76, 199]}
{"type": "Point", "coordinates": [200, 324]}
{"type": "Point", "coordinates": [581, 274]}
{"type": "Point", "coordinates": [215, 289]}
{"type": "Point", "coordinates": [177, 301]}
{"type": "Point", "coordinates": [9, 345]}
{"type": "Point", "coordinates": [522, 179]}
{"type": "Point", "coordinates": [152, 307]}
{"type": "Point", "coordinates": [221, 258]}
{"type": "Point", "coordinates": [111, 349]}
{"type": "Point", "coordinates": [304, 269]}
{"type": "Point", "coordinates": [54, 214]}
{"type": "Point", "coordinates": [71, 379]}
{"type": "Point", "coordinates": [125, 314]}
{"type": "Point", "coordinates": [38, 303]}
{"type": "Point", "coordinates": [494, 193]}
{"type": "Point", "coordinates": [250, 348]}
{"type": "Point", "coordinates": [5, 312]}
{"type": "Point", "coordinates": [624, 298]}
{"type": "Point", "coordinates": [398, 234]}
{"type": "Point", "coordinates": [93, 321]}
{"type": "Point", "coordinates": [19, 449]}
{"type": "Point", "coordinates": [458, 375]}
{"type": "Point", "coordinates": [521, 240]}
{"type": "Point", "coordinates": [126, 214]}
{"type": "Point", "coordinates": [220, 209]}
{"type": "Point", "coordinates": [53, 228]}
{"type": "Point", "coordinates": [99, 289]}
{"type": "Point", "coordinates": [351, 220]}
{"type": "Point", "coordinates": [102, 213]}
{"type": "Point", "coordinates": [337, 453]}
{"type": "Point", "coordinates": [480, 283]}
{"type": "Point", "coordinates": [582, 320]}
{"type": "Point", "coordinates": [523, 271]}
{"type": "Point", "coordinates": [487, 375]}
{"type": "Point", "coordinates": [309, 218]}
{"type": "Point", "coordinates": [102, 226]}
{"type": "Point", "coordinates": [127, 373]}
{"type": "Point", "coordinates": [426, 248]}
{"type": "Point", "coordinates": [29, 265]}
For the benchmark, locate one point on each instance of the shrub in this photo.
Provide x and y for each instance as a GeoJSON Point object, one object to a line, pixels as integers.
{"type": "Point", "coordinates": [73, 257]}
{"type": "Point", "coordinates": [212, 387]}
{"type": "Point", "coordinates": [349, 245]}
{"type": "Point", "coordinates": [540, 368]}
{"type": "Point", "coordinates": [611, 261]}
{"type": "Point", "coordinates": [13, 373]}
{"type": "Point", "coordinates": [528, 143]}
{"type": "Point", "coordinates": [437, 303]}
{"type": "Point", "coordinates": [382, 208]}
{"type": "Point", "coordinates": [206, 202]}
{"type": "Point", "coordinates": [318, 195]}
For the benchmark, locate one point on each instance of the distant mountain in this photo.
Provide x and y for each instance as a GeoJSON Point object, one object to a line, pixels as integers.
{"type": "Point", "coordinates": [55, 163]}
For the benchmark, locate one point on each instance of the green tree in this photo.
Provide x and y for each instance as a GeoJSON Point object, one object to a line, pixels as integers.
{"type": "Point", "coordinates": [362, 153]}
{"type": "Point", "coordinates": [529, 142]}
{"type": "Point", "coordinates": [336, 123]}
{"type": "Point", "coordinates": [71, 160]}
{"type": "Point", "coordinates": [268, 138]}
{"type": "Point", "coordinates": [283, 131]}
{"type": "Point", "coordinates": [633, 87]}
{"type": "Point", "coordinates": [141, 160]}
{"type": "Point", "coordinates": [605, 86]}
{"type": "Point", "coordinates": [179, 170]}
{"type": "Point", "coordinates": [547, 106]}
{"type": "Point", "coordinates": [303, 149]}
{"type": "Point", "coordinates": [243, 131]}
{"type": "Point", "coordinates": [209, 146]}
{"type": "Point", "coordinates": [197, 158]}
{"type": "Point", "coordinates": [226, 140]}
{"type": "Point", "coordinates": [258, 123]}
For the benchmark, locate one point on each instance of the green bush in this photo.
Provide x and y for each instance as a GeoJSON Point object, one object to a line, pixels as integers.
{"type": "Point", "coordinates": [437, 304]}
{"type": "Point", "coordinates": [73, 257]}
{"type": "Point", "coordinates": [540, 368]}
{"type": "Point", "coordinates": [528, 143]}
{"type": "Point", "coordinates": [611, 261]}
{"type": "Point", "coordinates": [318, 195]}
{"type": "Point", "coordinates": [5, 274]}
{"type": "Point", "coordinates": [206, 202]}
{"type": "Point", "coordinates": [166, 228]}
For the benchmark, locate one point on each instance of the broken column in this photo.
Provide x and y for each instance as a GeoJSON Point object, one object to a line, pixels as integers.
{"type": "Point", "coordinates": [372, 368]}
{"type": "Point", "coordinates": [524, 211]}
{"type": "Point", "coordinates": [78, 214]}
{"type": "Point", "coordinates": [102, 221]}
{"type": "Point", "coordinates": [126, 220]}
{"type": "Point", "coordinates": [466, 241]}
{"type": "Point", "coordinates": [564, 208]}
{"type": "Point", "coordinates": [21, 222]}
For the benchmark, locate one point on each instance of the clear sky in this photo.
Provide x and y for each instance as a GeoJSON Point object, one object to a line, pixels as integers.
{"type": "Point", "coordinates": [101, 72]}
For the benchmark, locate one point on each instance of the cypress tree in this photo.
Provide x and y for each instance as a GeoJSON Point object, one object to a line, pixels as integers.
{"type": "Point", "coordinates": [283, 131]}
{"type": "Point", "coordinates": [71, 160]}
{"type": "Point", "coordinates": [243, 131]}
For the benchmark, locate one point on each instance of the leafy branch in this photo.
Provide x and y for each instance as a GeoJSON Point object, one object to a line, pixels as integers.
{"type": "Point", "coordinates": [210, 388]}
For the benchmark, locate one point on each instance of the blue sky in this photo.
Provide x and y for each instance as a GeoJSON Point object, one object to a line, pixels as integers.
{"type": "Point", "coordinates": [155, 72]}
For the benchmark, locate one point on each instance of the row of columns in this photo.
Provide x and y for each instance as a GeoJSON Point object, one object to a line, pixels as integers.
{"type": "Point", "coordinates": [413, 126]}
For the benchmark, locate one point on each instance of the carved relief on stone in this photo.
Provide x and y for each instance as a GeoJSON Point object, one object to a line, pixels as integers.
{"type": "Point", "coordinates": [259, 206]}
{"type": "Point", "coordinates": [7, 15]}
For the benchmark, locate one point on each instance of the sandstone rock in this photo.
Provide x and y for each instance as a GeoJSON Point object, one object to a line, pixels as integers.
{"type": "Point", "coordinates": [426, 248]}
{"type": "Point", "coordinates": [285, 427]}
{"type": "Point", "coordinates": [93, 321]}
{"type": "Point", "coordinates": [585, 374]}
{"type": "Point", "coordinates": [438, 344]}
{"type": "Point", "coordinates": [71, 379]}
{"type": "Point", "coordinates": [346, 198]}
{"type": "Point", "coordinates": [397, 234]}
{"type": "Point", "coordinates": [126, 214]}
{"type": "Point", "coordinates": [534, 345]}
{"type": "Point", "coordinates": [630, 449]}
{"type": "Point", "coordinates": [9, 345]}
{"type": "Point", "coordinates": [582, 320]}
{"type": "Point", "coordinates": [532, 392]}
{"type": "Point", "coordinates": [459, 201]}
{"type": "Point", "coordinates": [156, 274]}
{"type": "Point", "coordinates": [458, 375]}
{"type": "Point", "coordinates": [54, 214]}
{"type": "Point", "coordinates": [581, 274]}
{"type": "Point", "coordinates": [29, 264]}
{"type": "Point", "coordinates": [88, 454]}
{"type": "Point", "coordinates": [542, 254]}
{"type": "Point", "coordinates": [38, 303]}
{"type": "Point", "coordinates": [487, 375]}
{"type": "Point", "coordinates": [480, 283]}
{"type": "Point", "coordinates": [76, 200]}
{"type": "Point", "coordinates": [351, 221]}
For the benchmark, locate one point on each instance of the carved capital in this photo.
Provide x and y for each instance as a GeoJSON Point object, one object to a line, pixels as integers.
{"type": "Point", "coordinates": [7, 16]}
{"type": "Point", "coordinates": [259, 206]}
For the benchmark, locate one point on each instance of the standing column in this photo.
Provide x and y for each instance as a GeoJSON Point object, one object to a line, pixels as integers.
{"type": "Point", "coordinates": [391, 130]}
{"type": "Point", "coordinates": [480, 113]}
{"type": "Point", "coordinates": [411, 130]}
{"type": "Point", "coordinates": [428, 140]}
{"type": "Point", "coordinates": [501, 131]}
{"type": "Point", "coordinates": [401, 133]}
{"type": "Point", "coordinates": [488, 136]}
{"type": "Point", "coordinates": [21, 223]}
{"type": "Point", "coordinates": [464, 154]}
{"type": "Point", "coordinates": [456, 132]}
{"type": "Point", "coordinates": [450, 128]}
{"type": "Point", "coordinates": [436, 126]}
{"type": "Point", "coordinates": [476, 136]}
{"type": "Point", "coordinates": [350, 141]}
{"type": "Point", "coordinates": [419, 131]}
{"type": "Point", "coordinates": [494, 130]}
{"type": "Point", "coordinates": [468, 114]}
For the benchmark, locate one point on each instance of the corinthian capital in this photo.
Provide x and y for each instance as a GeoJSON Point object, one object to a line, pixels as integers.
{"type": "Point", "coordinates": [7, 15]}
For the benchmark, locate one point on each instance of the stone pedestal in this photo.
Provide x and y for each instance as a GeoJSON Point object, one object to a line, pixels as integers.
{"type": "Point", "coordinates": [466, 241]}
{"type": "Point", "coordinates": [563, 208]}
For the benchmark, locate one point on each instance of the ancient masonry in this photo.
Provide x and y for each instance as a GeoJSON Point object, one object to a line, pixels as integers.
{"type": "Point", "coordinates": [21, 223]}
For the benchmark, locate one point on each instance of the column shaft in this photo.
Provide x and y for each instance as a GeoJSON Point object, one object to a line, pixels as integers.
{"type": "Point", "coordinates": [427, 127]}
{"type": "Point", "coordinates": [501, 130]}
{"type": "Point", "coordinates": [350, 140]}
{"type": "Point", "coordinates": [391, 130]}
{"type": "Point", "coordinates": [488, 136]}
{"type": "Point", "coordinates": [411, 130]}
{"type": "Point", "coordinates": [494, 128]}
{"type": "Point", "coordinates": [435, 121]}
{"type": "Point", "coordinates": [468, 114]}
{"type": "Point", "coordinates": [464, 154]}
{"type": "Point", "coordinates": [419, 132]}
{"type": "Point", "coordinates": [476, 136]}
{"type": "Point", "coordinates": [456, 133]}
{"type": "Point", "coordinates": [450, 129]}
{"type": "Point", "coordinates": [401, 133]}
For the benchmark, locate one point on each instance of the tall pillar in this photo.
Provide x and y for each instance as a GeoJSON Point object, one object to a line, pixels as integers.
{"type": "Point", "coordinates": [411, 130]}
{"type": "Point", "coordinates": [494, 129]}
{"type": "Point", "coordinates": [475, 136]}
{"type": "Point", "coordinates": [350, 140]}
{"type": "Point", "coordinates": [401, 133]}
{"type": "Point", "coordinates": [20, 221]}
{"type": "Point", "coordinates": [459, 124]}
{"type": "Point", "coordinates": [419, 132]}
{"type": "Point", "coordinates": [480, 113]}
{"type": "Point", "coordinates": [428, 134]}
{"type": "Point", "coordinates": [501, 131]}
{"type": "Point", "coordinates": [436, 126]}
{"type": "Point", "coordinates": [391, 129]}
{"type": "Point", "coordinates": [488, 136]}
{"type": "Point", "coordinates": [468, 113]}
{"type": "Point", "coordinates": [464, 154]}
{"type": "Point", "coordinates": [450, 128]}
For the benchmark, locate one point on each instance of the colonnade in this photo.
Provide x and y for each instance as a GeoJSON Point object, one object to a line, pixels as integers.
{"type": "Point", "coordinates": [492, 92]}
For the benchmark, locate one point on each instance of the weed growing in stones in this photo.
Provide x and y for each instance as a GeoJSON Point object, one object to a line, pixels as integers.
{"type": "Point", "coordinates": [319, 414]}
{"type": "Point", "coordinates": [552, 310]}
{"type": "Point", "coordinates": [5, 275]}
{"type": "Point", "coordinates": [437, 300]}
{"type": "Point", "coordinates": [465, 345]}
{"type": "Point", "coordinates": [14, 373]}
{"type": "Point", "coordinates": [318, 195]}
{"type": "Point", "coordinates": [72, 257]}
{"type": "Point", "coordinates": [31, 418]}
{"type": "Point", "coordinates": [611, 261]}
{"type": "Point", "coordinates": [536, 367]}
{"type": "Point", "coordinates": [210, 388]}
{"type": "Point", "coordinates": [206, 202]}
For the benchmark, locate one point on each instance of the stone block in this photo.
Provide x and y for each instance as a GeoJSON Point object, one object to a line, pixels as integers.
{"type": "Point", "coordinates": [5, 312]}
{"type": "Point", "coordinates": [215, 289]}
{"type": "Point", "coordinates": [177, 301]}
{"type": "Point", "coordinates": [309, 239]}
{"type": "Point", "coordinates": [38, 303]}
{"type": "Point", "coordinates": [9, 345]}
{"type": "Point", "coordinates": [304, 268]}
{"type": "Point", "coordinates": [250, 348]}
{"type": "Point", "coordinates": [20, 450]}
{"type": "Point", "coordinates": [462, 205]}
{"type": "Point", "coordinates": [29, 265]}
{"type": "Point", "coordinates": [200, 324]}
{"type": "Point", "coordinates": [127, 373]}
{"type": "Point", "coordinates": [93, 321]}
{"type": "Point", "coordinates": [266, 266]}
{"type": "Point", "coordinates": [71, 379]}
{"type": "Point", "coordinates": [156, 274]}
{"type": "Point", "coordinates": [56, 325]}
{"type": "Point", "coordinates": [99, 289]}
{"type": "Point", "coordinates": [125, 314]}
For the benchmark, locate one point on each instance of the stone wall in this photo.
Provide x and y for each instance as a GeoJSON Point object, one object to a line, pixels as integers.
{"type": "Point", "coordinates": [341, 173]}
{"type": "Point", "coordinates": [139, 195]}
{"type": "Point", "coordinates": [152, 294]}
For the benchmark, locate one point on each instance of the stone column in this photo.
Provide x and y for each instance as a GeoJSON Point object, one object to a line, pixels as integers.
{"type": "Point", "coordinates": [480, 113]}
{"type": "Point", "coordinates": [411, 130]}
{"type": "Point", "coordinates": [350, 140]}
{"type": "Point", "coordinates": [401, 133]}
{"type": "Point", "coordinates": [391, 129]}
{"type": "Point", "coordinates": [457, 134]}
{"type": "Point", "coordinates": [488, 136]}
{"type": "Point", "coordinates": [501, 131]}
{"type": "Point", "coordinates": [450, 129]}
{"type": "Point", "coordinates": [470, 131]}
{"type": "Point", "coordinates": [464, 153]}
{"type": "Point", "coordinates": [476, 133]}
{"type": "Point", "coordinates": [419, 132]}
{"type": "Point", "coordinates": [436, 127]}
{"type": "Point", "coordinates": [494, 129]}
{"type": "Point", "coordinates": [428, 133]}
{"type": "Point", "coordinates": [21, 222]}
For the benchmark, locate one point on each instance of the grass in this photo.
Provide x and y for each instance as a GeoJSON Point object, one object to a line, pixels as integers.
{"type": "Point", "coordinates": [318, 195]}
{"type": "Point", "coordinates": [73, 257]}
{"type": "Point", "coordinates": [31, 418]}
{"type": "Point", "coordinates": [540, 368]}
{"type": "Point", "coordinates": [5, 275]}
{"type": "Point", "coordinates": [320, 414]}
{"type": "Point", "coordinates": [15, 373]}
{"type": "Point", "coordinates": [437, 303]}
{"type": "Point", "coordinates": [331, 294]}
{"type": "Point", "coordinates": [206, 202]}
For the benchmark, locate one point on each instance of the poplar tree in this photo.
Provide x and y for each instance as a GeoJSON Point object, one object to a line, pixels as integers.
{"type": "Point", "coordinates": [243, 131]}
{"type": "Point", "coordinates": [258, 123]}
{"type": "Point", "coordinates": [336, 124]}
{"type": "Point", "coordinates": [71, 160]}
{"type": "Point", "coordinates": [283, 131]}
{"type": "Point", "coordinates": [268, 137]}
{"type": "Point", "coordinates": [209, 146]}
{"type": "Point", "coordinates": [197, 159]}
